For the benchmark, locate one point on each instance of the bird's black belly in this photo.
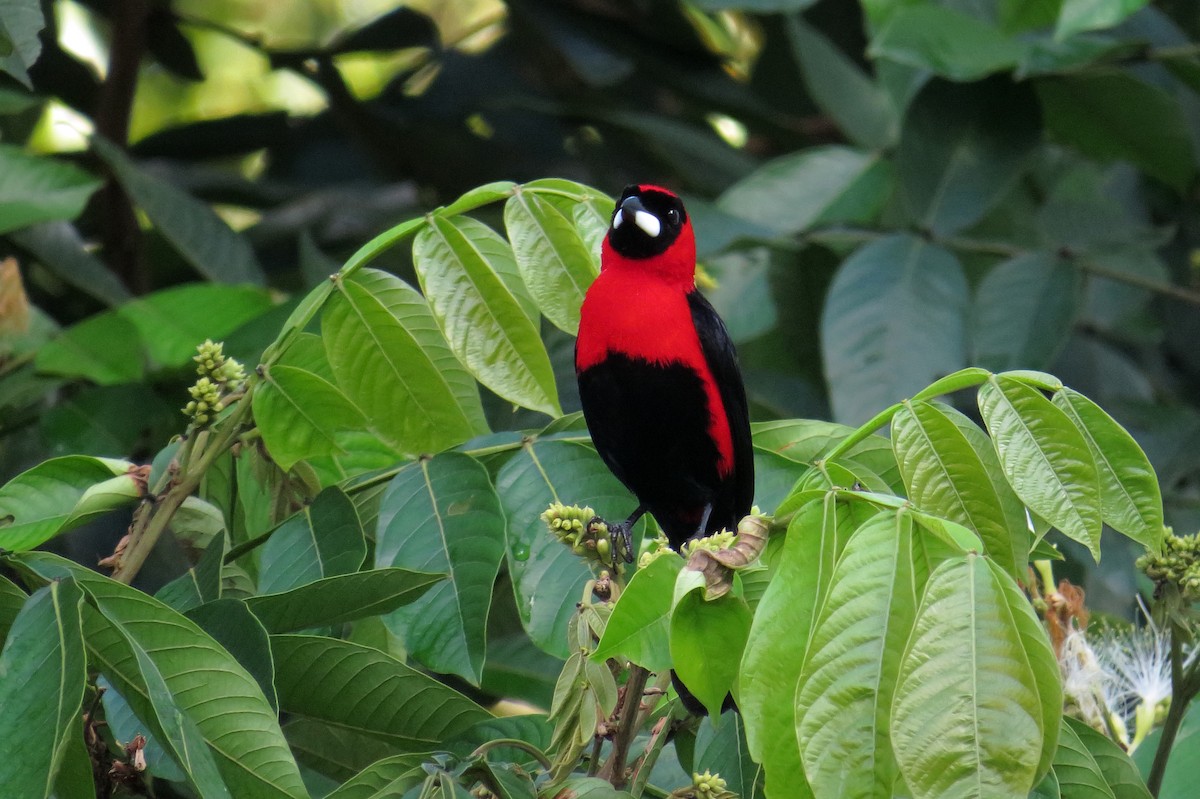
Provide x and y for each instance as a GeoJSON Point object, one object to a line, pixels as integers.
{"type": "Point", "coordinates": [650, 425]}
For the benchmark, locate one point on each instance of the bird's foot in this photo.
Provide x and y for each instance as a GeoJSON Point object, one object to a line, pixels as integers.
{"type": "Point", "coordinates": [620, 533]}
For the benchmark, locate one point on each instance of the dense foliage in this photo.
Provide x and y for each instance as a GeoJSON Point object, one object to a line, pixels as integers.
{"type": "Point", "coordinates": [340, 560]}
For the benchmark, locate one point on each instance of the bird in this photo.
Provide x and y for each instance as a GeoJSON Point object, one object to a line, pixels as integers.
{"type": "Point", "coordinates": [659, 382]}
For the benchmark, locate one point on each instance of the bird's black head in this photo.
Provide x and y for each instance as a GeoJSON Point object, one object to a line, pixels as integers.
{"type": "Point", "coordinates": [646, 221]}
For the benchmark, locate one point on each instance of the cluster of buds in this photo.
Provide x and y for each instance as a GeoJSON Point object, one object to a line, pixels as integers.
{"type": "Point", "coordinates": [220, 376]}
{"type": "Point", "coordinates": [1179, 565]}
{"type": "Point", "coordinates": [709, 786]}
{"type": "Point", "coordinates": [582, 530]}
{"type": "Point", "coordinates": [658, 547]}
{"type": "Point", "coordinates": [722, 539]}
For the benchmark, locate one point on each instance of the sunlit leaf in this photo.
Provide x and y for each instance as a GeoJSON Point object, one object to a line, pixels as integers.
{"type": "Point", "coordinates": [36, 188]}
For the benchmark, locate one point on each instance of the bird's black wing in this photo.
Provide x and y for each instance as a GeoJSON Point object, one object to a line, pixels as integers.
{"type": "Point", "coordinates": [722, 362]}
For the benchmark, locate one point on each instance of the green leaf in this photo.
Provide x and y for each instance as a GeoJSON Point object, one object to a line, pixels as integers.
{"type": "Point", "coordinates": [1047, 460]}
{"type": "Point", "coordinates": [200, 583]}
{"type": "Point", "coordinates": [362, 690]}
{"type": "Point", "coordinates": [442, 515]}
{"type": "Point", "coordinates": [962, 149]}
{"type": "Point", "coordinates": [590, 788]}
{"type": "Point", "coordinates": [172, 322]}
{"type": "Point", "coordinates": [324, 539]}
{"type": "Point", "coordinates": [948, 42]}
{"type": "Point", "coordinates": [722, 749]}
{"type": "Point", "coordinates": [1112, 115]}
{"type": "Point", "coordinates": [820, 185]}
{"type": "Point", "coordinates": [480, 195]}
{"type": "Point", "coordinates": [707, 640]}
{"type": "Point", "coordinates": [554, 261]}
{"type": "Point", "coordinates": [45, 673]}
{"type": "Point", "coordinates": [952, 474]}
{"type": "Point", "coordinates": [1078, 773]}
{"type": "Point", "coordinates": [458, 261]}
{"type": "Point", "coordinates": [894, 321]}
{"type": "Point", "coordinates": [389, 777]}
{"type": "Point", "coordinates": [232, 625]}
{"type": "Point", "coordinates": [340, 598]}
{"type": "Point", "coordinates": [59, 247]}
{"type": "Point", "coordinates": [967, 718]}
{"type": "Point", "coordinates": [124, 724]}
{"type": "Point", "coordinates": [806, 440]}
{"type": "Point", "coordinates": [547, 577]}
{"type": "Point", "coordinates": [861, 107]}
{"type": "Point", "coordinates": [1118, 769]}
{"type": "Point", "coordinates": [1048, 788]}
{"type": "Point", "coordinates": [105, 349]}
{"type": "Point", "coordinates": [1179, 781]}
{"type": "Point", "coordinates": [639, 627]}
{"type": "Point", "coordinates": [12, 599]}
{"type": "Point", "coordinates": [299, 414]}
{"type": "Point", "coordinates": [1042, 661]}
{"type": "Point", "coordinates": [844, 695]}
{"type": "Point", "coordinates": [1077, 16]}
{"type": "Point", "coordinates": [146, 649]}
{"type": "Point", "coordinates": [20, 44]}
{"type": "Point", "coordinates": [392, 362]}
{"type": "Point", "coordinates": [191, 226]}
{"type": "Point", "coordinates": [1024, 311]}
{"type": "Point", "coordinates": [1130, 497]}
{"type": "Point", "coordinates": [40, 503]}
{"type": "Point", "coordinates": [1022, 15]}
{"type": "Point", "coordinates": [36, 188]}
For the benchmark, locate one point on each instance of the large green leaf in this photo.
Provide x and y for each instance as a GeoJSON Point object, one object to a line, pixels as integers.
{"type": "Point", "coordinates": [860, 106]}
{"type": "Point", "coordinates": [21, 22]}
{"type": "Point", "coordinates": [324, 539]}
{"type": "Point", "coordinates": [1023, 312]}
{"type": "Point", "coordinates": [461, 263]}
{"type": "Point", "coordinates": [1047, 460]}
{"type": "Point", "coordinates": [172, 322]}
{"type": "Point", "coordinates": [393, 363]}
{"type": "Point", "coordinates": [949, 475]}
{"type": "Point", "coordinates": [894, 321]}
{"type": "Point", "coordinates": [59, 247]}
{"type": "Point", "coordinates": [104, 348]}
{"type": "Point", "coordinates": [12, 599]}
{"type": "Point", "coordinates": [299, 414]}
{"type": "Point", "coordinates": [1130, 498]}
{"type": "Point", "coordinates": [967, 719]}
{"type": "Point", "coordinates": [963, 147]}
{"type": "Point", "coordinates": [362, 690]}
{"type": "Point", "coordinates": [1077, 16]}
{"type": "Point", "coordinates": [707, 639]}
{"type": "Point", "coordinates": [442, 515]}
{"type": "Point", "coordinates": [44, 673]}
{"type": "Point", "coordinates": [820, 185]}
{"type": "Point", "coordinates": [806, 440]}
{"type": "Point", "coordinates": [722, 750]}
{"type": "Point", "coordinates": [158, 659]}
{"type": "Point", "coordinates": [639, 626]}
{"type": "Point", "coordinates": [772, 663]}
{"type": "Point", "coordinates": [844, 695]}
{"type": "Point", "coordinates": [191, 226]}
{"type": "Point", "coordinates": [1118, 770]}
{"type": "Point", "coordinates": [554, 262]}
{"type": "Point", "coordinates": [1112, 115]}
{"type": "Point", "coordinates": [949, 42]}
{"type": "Point", "coordinates": [35, 188]}
{"type": "Point", "coordinates": [385, 778]}
{"type": "Point", "coordinates": [1078, 773]}
{"type": "Point", "coordinates": [232, 625]}
{"type": "Point", "coordinates": [547, 577]}
{"type": "Point", "coordinates": [340, 598]}
{"type": "Point", "coordinates": [52, 498]}
{"type": "Point", "coordinates": [1043, 663]}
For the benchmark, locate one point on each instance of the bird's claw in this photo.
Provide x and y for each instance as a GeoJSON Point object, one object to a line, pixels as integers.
{"type": "Point", "coordinates": [621, 531]}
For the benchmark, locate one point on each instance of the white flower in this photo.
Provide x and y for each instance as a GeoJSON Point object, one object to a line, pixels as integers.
{"type": "Point", "coordinates": [1136, 662]}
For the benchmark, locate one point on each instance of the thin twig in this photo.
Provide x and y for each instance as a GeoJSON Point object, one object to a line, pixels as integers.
{"type": "Point", "coordinates": [627, 727]}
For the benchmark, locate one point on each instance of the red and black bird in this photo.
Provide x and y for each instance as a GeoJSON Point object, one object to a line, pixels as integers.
{"type": "Point", "coordinates": [658, 375]}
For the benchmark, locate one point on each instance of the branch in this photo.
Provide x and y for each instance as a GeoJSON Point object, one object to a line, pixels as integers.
{"type": "Point", "coordinates": [627, 727]}
{"type": "Point", "coordinates": [152, 518]}
{"type": "Point", "coordinates": [122, 236]}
